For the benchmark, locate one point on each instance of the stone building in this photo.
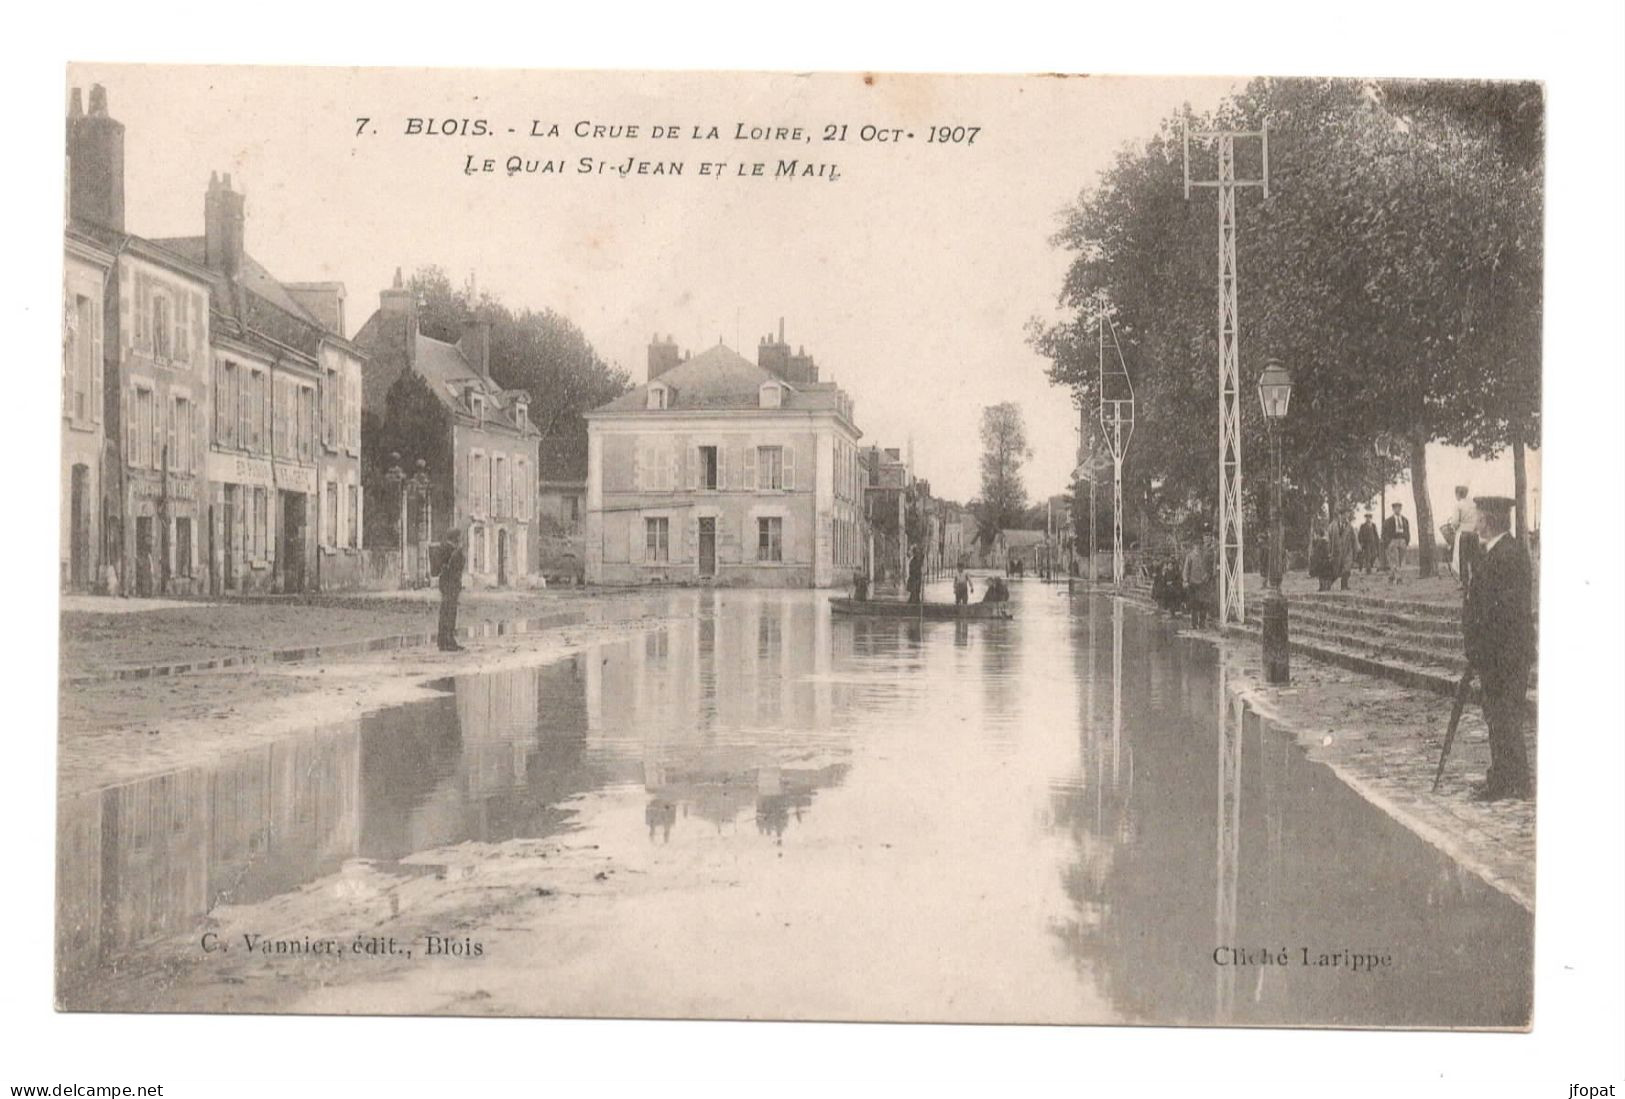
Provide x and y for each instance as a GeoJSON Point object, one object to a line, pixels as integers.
{"type": "Point", "coordinates": [155, 385]}
{"type": "Point", "coordinates": [284, 459]}
{"type": "Point", "coordinates": [87, 269]}
{"type": "Point", "coordinates": [490, 490]}
{"type": "Point", "coordinates": [722, 470]}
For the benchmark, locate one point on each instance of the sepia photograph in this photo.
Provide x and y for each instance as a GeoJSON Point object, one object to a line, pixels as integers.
{"type": "Point", "coordinates": [822, 547]}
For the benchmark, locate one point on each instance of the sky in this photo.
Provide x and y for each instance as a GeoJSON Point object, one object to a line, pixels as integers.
{"type": "Point", "coordinates": [911, 277]}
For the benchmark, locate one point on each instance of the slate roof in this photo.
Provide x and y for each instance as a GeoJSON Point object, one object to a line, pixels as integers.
{"type": "Point", "coordinates": [253, 276]}
{"type": "Point", "coordinates": [722, 378]}
{"type": "Point", "coordinates": [441, 364]}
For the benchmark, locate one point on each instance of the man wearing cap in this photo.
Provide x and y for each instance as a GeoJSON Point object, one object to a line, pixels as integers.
{"type": "Point", "coordinates": [1396, 539]}
{"type": "Point", "coordinates": [1370, 543]}
{"type": "Point", "coordinates": [1498, 630]}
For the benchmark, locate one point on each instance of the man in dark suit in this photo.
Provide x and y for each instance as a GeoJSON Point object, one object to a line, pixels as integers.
{"type": "Point", "coordinates": [1396, 539]}
{"type": "Point", "coordinates": [1498, 628]}
{"type": "Point", "coordinates": [1369, 543]}
{"type": "Point", "coordinates": [452, 564]}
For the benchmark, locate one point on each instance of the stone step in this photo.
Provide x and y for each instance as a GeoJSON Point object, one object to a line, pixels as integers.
{"type": "Point", "coordinates": [1382, 646]}
{"type": "Point", "coordinates": [1420, 608]}
{"type": "Point", "coordinates": [1361, 619]}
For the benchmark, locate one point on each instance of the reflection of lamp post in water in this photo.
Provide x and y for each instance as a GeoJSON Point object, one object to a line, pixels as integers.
{"type": "Point", "coordinates": [1117, 421]}
{"type": "Point", "coordinates": [1274, 392]}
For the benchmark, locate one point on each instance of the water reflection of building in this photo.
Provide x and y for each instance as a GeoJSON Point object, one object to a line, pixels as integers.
{"type": "Point", "coordinates": [153, 857]}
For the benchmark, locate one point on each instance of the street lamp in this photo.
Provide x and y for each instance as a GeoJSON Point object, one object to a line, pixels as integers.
{"type": "Point", "coordinates": [1274, 393]}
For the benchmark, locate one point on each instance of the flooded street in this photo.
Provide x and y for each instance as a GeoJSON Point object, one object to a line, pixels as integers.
{"type": "Point", "coordinates": [761, 810]}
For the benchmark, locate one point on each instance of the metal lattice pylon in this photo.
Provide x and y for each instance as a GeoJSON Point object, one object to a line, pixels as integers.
{"type": "Point", "coordinates": [1117, 421]}
{"type": "Point", "coordinates": [1232, 606]}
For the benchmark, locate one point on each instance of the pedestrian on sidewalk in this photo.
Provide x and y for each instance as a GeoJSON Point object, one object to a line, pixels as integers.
{"type": "Point", "coordinates": [1370, 542]}
{"type": "Point", "coordinates": [1464, 553]}
{"type": "Point", "coordinates": [1320, 556]}
{"type": "Point", "coordinates": [1198, 579]}
{"type": "Point", "coordinates": [1498, 633]}
{"type": "Point", "coordinates": [1344, 548]}
{"type": "Point", "coordinates": [1396, 539]}
{"type": "Point", "coordinates": [452, 563]}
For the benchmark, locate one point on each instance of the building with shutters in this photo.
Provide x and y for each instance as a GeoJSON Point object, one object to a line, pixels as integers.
{"type": "Point", "coordinates": [720, 470]}
{"type": "Point", "coordinates": [87, 269]}
{"type": "Point", "coordinates": [155, 334]}
{"type": "Point", "coordinates": [490, 488]}
{"type": "Point", "coordinates": [284, 507]}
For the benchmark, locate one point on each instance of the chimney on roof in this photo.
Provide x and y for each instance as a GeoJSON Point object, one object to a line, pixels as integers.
{"type": "Point", "coordinates": [773, 355]}
{"type": "Point", "coordinates": [475, 344]}
{"type": "Point", "coordinates": [398, 308]}
{"type": "Point", "coordinates": [95, 162]}
{"type": "Point", "coordinates": [223, 227]}
{"type": "Point", "coordinates": [663, 355]}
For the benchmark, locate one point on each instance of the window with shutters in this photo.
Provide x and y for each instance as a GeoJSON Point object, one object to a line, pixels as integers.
{"type": "Point", "coordinates": [769, 467]}
{"type": "Point", "coordinates": [657, 540]}
{"type": "Point", "coordinates": [770, 539]}
{"type": "Point", "coordinates": [180, 436]}
{"type": "Point", "coordinates": [139, 437]}
{"type": "Point", "coordinates": [82, 356]}
{"type": "Point", "coordinates": [330, 410]}
{"type": "Point", "coordinates": [330, 525]}
{"type": "Point", "coordinates": [162, 332]}
{"type": "Point", "coordinates": [352, 516]}
{"type": "Point", "coordinates": [307, 423]}
{"type": "Point", "coordinates": [499, 500]}
{"type": "Point", "coordinates": [708, 468]}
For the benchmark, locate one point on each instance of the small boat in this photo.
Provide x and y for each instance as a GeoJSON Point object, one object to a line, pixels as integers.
{"type": "Point", "coordinates": [893, 608]}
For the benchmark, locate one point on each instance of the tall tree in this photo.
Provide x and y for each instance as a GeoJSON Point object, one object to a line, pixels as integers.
{"type": "Point", "coordinates": [1004, 449]}
{"type": "Point", "coordinates": [1369, 270]}
{"type": "Point", "coordinates": [539, 351]}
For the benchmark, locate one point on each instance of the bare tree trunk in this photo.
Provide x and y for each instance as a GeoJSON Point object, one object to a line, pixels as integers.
{"type": "Point", "coordinates": [1424, 506]}
{"type": "Point", "coordinates": [1520, 489]}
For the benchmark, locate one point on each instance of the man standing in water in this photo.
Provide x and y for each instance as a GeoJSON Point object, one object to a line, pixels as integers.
{"type": "Point", "coordinates": [452, 563]}
{"type": "Point", "coordinates": [962, 586]}
{"type": "Point", "coordinates": [1498, 630]}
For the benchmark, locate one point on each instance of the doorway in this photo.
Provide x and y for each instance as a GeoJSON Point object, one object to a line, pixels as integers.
{"type": "Point", "coordinates": [291, 551]}
{"type": "Point", "coordinates": [708, 546]}
{"type": "Point", "coordinates": [79, 531]}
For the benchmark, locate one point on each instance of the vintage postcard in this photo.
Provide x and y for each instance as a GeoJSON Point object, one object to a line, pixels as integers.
{"type": "Point", "coordinates": [836, 546]}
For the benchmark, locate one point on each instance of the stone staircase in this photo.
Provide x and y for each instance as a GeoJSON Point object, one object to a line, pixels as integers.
{"type": "Point", "coordinates": [1414, 642]}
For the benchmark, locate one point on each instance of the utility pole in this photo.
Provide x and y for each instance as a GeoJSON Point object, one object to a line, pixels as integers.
{"type": "Point", "coordinates": [1232, 608]}
{"type": "Point", "coordinates": [1117, 420]}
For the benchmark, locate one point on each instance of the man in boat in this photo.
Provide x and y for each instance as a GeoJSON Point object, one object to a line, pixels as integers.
{"type": "Point", "coordinates": [997, 591]}
{"type": "Point", "coordinates": [860, 586]}
{"type": "Point", "coordinates": [962, 586]}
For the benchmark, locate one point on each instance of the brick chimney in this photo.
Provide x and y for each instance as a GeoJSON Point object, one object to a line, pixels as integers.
{"type": "Point", "coordinates": [223, 227]}
{"type": "Point", "coordinates": [398, 309]}
{"type": "Point", "coordinates": [95, 162]}
{"type": "Point", "coordinates": [773, 355]}
{"type": "Point", "coordinates": [663, 355]}
{"type": "Point", "coordinates": [475, 344]}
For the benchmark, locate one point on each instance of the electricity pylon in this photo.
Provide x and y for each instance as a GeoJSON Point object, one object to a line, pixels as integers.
{"type": "Point", "coordinates": [1232, 608]}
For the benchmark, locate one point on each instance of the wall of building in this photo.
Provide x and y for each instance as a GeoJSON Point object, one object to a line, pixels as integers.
{"type": "Point", "coordinates": [496, 503]}
{"type": "Point", "coordinates": [83, 432]}
{"type": "Point", "coordinates": [161, 353]}
{"type": "Point", "coordinates": [652, 470]}
{"type": "Point", "coordinates": [340, 506]}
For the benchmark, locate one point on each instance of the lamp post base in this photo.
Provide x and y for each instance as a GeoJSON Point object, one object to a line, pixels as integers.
{"type": "Point", "coordinates": [1277, 646]}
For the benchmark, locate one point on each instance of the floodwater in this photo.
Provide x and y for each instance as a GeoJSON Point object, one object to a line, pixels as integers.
{"type": "Point", "coordinates": [1061, 818]}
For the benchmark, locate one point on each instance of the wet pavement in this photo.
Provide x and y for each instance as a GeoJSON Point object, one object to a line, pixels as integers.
{"type": "Point", "coordinates": [762, 811]}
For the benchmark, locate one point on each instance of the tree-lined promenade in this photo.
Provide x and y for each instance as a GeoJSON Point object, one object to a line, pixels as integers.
{"type": "Point", "coordinates": [1396, 266]}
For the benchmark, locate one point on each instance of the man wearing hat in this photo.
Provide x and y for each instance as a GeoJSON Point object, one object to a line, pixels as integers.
{"type": "Point", "coordinates": [452, 562]}
{"type": "Point", "coordinates": [1498, 630]}
{"type": "Point", "coordinates": [1396, 539]}
{"type": "Point", "coordinates": [1370, 543]}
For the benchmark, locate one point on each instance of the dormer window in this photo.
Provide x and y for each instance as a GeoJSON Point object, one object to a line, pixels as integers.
{"type": "Point", "coordinates": [477, 404]}
{"type": "Point", "coordinates": [521, 414]}
{"type": "Point", "coordinates": [772, 395]}
{"type": "Point", "coordinates": [659, 397]}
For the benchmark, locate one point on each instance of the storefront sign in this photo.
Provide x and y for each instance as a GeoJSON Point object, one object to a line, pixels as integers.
{"type": "Point", "coordinates": [239, 469]}
{"type": "Point", "coordinates": [296, 478]}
